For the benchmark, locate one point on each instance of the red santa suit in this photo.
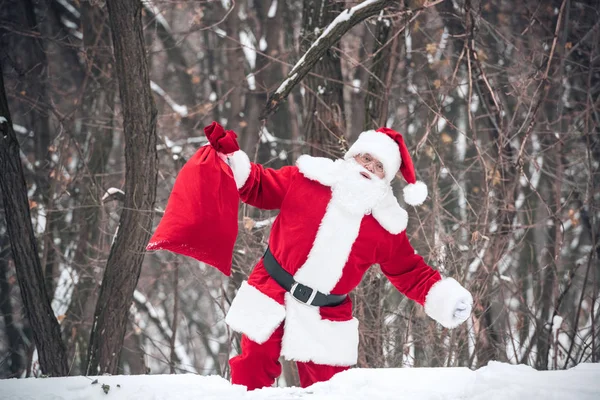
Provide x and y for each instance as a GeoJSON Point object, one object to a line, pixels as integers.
{"type": "Point", "coordinates": [328, 245]}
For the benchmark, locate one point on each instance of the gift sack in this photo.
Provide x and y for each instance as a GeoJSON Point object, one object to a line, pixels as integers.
{"type": "Point", "coordinates": [201, 218]}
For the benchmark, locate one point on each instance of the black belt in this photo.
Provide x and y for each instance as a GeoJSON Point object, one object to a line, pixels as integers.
{"type": "Point", "coordinates": [300, 292]}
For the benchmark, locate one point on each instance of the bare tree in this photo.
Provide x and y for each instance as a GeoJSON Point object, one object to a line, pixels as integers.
{"type": "Point", "coordinates": [497, 101]}
{"type": "Point", "coordinates": [127, 252]}
{"type": "Point", "coordinates": [98, 104]}
{"type": "Point", "coordinates": [46, 332]}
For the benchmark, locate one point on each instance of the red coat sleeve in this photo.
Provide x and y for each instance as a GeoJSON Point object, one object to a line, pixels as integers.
{"type": "Point", "coordinates": [266, 187]}
{"type": "Point", "coordinates": [406, 270]}
{"type": "Point", "coordinates": [259, 186]}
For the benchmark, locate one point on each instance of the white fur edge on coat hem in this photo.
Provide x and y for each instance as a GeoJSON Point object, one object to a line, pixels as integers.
{"type": "Point", "coordinates": [308, 337]}
{"type": "Point", "coordinates": [254, 314]}
{"type": "Point", "coordinates": [240, 165]}
{"type": "Point", "coordinates": [442, 299]}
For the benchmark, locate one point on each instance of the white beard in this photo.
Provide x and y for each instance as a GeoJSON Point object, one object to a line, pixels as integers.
{"type": "Point", "coordinates": [355, 193]}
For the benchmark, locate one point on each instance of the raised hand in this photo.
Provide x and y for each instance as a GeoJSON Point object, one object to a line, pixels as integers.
{"type": "Point", "coordinates": [224, 142]}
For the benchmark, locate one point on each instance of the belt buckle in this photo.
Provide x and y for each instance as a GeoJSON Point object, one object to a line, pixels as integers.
{"type": "Point", "coordinates": [302, 293]}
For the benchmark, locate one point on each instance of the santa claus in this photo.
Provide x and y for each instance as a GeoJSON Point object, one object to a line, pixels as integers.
{"type": "Point", "coordinates": [337, 219]}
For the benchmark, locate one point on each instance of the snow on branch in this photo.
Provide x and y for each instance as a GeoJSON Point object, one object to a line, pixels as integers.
{"type": "Point", "coordinates": [178, 108]}
{"type": "Point", "coordinates": [113, 194]}
{"type": "Point", "coordinates": [157, 14]}
{"type": "Point", "coordinates": [330, 35]}
{"type": "Point", "coordinates": [159, 319]}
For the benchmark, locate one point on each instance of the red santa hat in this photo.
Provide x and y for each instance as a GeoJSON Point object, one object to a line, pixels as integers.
{"type": "Point", "coordinates": [388, 146]}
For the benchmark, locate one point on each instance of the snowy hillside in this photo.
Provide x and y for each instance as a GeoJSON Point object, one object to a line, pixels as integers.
{"type": "Point", "coordinates": [494, 382]}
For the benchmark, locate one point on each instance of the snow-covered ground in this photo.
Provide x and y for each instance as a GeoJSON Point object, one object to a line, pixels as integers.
{"type": "Point", "coordinates": [493, 382]}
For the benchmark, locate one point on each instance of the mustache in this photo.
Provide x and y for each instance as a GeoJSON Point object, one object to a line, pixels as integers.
{"type": "Point", "coordinates": [360, 169]}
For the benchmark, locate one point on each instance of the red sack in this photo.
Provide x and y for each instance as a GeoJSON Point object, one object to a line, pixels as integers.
{"type": "Point", "coordinates": [201, 218]}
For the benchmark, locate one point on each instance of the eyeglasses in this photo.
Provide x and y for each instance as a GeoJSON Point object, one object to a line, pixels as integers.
{"type": "Point", "coordinates": [366, 159]}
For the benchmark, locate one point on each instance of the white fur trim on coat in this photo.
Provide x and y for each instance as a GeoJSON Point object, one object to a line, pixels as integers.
{"type": "Point", "coordinates": [308, 337]}
{"type": "Point", "coordinates": [254, 313]}
{"type": "Point", "coordinates": [323, 267]}
{"type": "Point", "coordinates": [442, 299]}
{"type": "Point", "coordinates": [318, 169]}
{"type": "Point", "coordinates": [380, 146]}
{"type": "Point", "coordinates": [415, 193]}
{"type": "Point", "coordinates": [388, 213]}
{"type": "Point", "coordinates": [240, 165]}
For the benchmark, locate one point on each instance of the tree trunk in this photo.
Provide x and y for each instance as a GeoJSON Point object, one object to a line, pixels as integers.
{"type": "Point", "coordinates": [141, 161]}
{"type": "Point", "coordinates": [16, 348]}
{"type": "Point", "coordinates": [25, 53]}
{"type": "Point", "coordinates": [97, 126]}
{"type": "Point", "coordinates": [46, 332]}
{"type": "Point", "coordinates": [324, 99]}
{"type": "Point", "coordinates": [376, 104]}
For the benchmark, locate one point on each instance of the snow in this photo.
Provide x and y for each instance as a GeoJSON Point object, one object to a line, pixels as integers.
{"type": "Point", "coordinates": [70, 8]}
{"type": "Point", "coordinates": [157, 14]}
{"type": "Point", "coordinates": [356, 85]}
{"type": "Point", "coordinates": [264, 223]}
{"type": "Point", "coordinates": [112, 191]}
{"type": "Point", "coordinates": [64, 289]}
{"type": "Point", "coordinates": [3, 120]}
{"type": "Point", "coordinates": [342, 17]}
{"type": "Point", "coordinates": [179, 109]}
{"type": "Point", "coordinates": [251, 81]}
{"type": "Point", "coordinates": [496, 381]}
{"type": "Point", "coordinates": [557, 321]}
{"type": "Point", "coordinates": [68, 23]}
{"type": "Point", "coordinates": [272, 9]}
{"type": "Point", "coordinates": [266, 136]}
{"type": "Point", "coordinates": [157, 314]}
{"type": "Point", "coordinates": [17, 128]}
{"type": "Point", "coordinates": [247, 40]}
{"type": "Point", "coordinates": [285, 83]}
{"type": "Point", "coordinates": [262, 44]}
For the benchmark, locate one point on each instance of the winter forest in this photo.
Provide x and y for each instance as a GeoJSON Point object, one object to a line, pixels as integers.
{"type": "Point", "coordinates": [102, 103]}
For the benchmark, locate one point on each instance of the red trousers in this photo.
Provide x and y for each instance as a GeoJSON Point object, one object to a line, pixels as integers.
{"type": "Point", "coordinates": [258, 365]}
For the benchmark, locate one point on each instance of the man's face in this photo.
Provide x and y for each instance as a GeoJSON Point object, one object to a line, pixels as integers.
{"type": "Point", "coordinates": [371, 164]}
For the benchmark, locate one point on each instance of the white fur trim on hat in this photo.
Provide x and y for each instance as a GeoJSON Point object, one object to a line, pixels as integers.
{"type": "Point", "coordinates": [415, 193]}
{"type": "Point", "coordinates": [380, 146]}
{"type": "Point", "coordinates": [442, 299]}
{"type": "Point", "coordinates": [240, 165]}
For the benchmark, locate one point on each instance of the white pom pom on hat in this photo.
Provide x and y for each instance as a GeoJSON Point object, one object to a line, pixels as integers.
{"type": "Point", "coordinates": [388, 146]}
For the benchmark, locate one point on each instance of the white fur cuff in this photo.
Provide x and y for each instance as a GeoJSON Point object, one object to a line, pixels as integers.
{"type": "Point", "coordinates": [240, 165]}
{"type": "Point", "coordinates": [254, 314]}
{"type": "Point", "coordinates": [442, 299]}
